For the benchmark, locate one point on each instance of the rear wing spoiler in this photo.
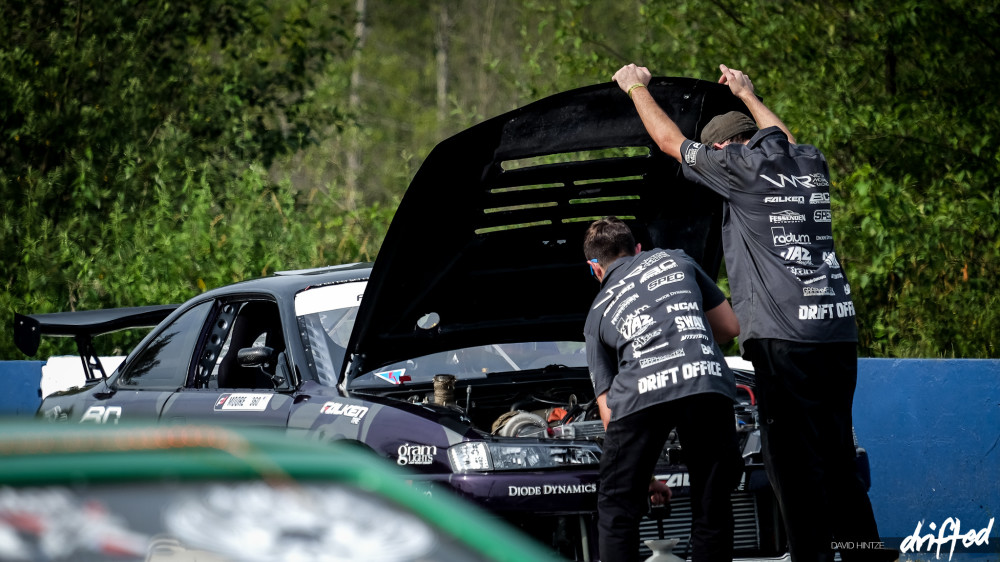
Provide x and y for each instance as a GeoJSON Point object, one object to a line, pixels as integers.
{"type": "Point", "coordinates": [83, 326]}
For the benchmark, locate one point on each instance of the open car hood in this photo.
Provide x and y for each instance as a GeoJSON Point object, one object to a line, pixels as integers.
{"type": "Point", "coordinates": [489, 234]}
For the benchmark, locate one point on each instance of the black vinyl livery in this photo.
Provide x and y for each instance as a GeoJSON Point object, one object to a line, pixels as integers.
{"type": "Point", "coordinates": [458, 353]}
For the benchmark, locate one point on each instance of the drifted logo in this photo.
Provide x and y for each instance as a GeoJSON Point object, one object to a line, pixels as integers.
{"type": "Point", "coordinates": [780, 238]}
{"type": "Point", "coordinates": [915, 542]}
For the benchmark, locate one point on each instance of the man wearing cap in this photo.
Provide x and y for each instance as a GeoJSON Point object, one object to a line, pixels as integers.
{"type": "Point", "coordinates": [796, 316]}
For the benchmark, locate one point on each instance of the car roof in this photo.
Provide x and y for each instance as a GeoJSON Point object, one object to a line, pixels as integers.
{"type": "Point", "coordinates": [489, 234]}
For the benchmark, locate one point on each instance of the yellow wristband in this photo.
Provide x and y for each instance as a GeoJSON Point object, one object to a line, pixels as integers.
{"type": "Point", "coordinates": [634, 86]}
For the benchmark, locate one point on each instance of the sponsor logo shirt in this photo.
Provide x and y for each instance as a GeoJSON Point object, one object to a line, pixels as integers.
{"type": "Point", "coordinates": [783, 270]}
{"type": "Point", "coordinates": [648, 340]}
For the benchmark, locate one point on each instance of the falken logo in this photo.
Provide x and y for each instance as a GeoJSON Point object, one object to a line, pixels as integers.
{"type": "Point", "coordinates": [787, 216]}
{"type": "Point", "coordinates": [352, 411]}
{"type": "Point", "coordinates": [660, 268]}
{"type": "Point", "coordinates": [822, 215]}
{"type": "Point", "coordinates": [691, 155]}
{"type": "Point", "coordinates": [818, 292]}
{"type": "Point", "coordinates": [665, 280]}
{"type": "Point", "coordinates": [634, 325]}
{"type": "Point", "coordinates": [785, 199]}
{"type": "Point", "coordinates": [797, 254]}
{"type": "Point", "coordinates": [810, 181]}
{"type": "Point", "coordinates": [819, 198]}
{"type": "Point", "coordinates": [780, 238]}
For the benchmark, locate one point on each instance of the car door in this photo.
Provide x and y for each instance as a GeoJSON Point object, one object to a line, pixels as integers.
{"type": "Point", "coordinates": [223, 389]}
{"type": "Point", "coordinates": [151, 375]}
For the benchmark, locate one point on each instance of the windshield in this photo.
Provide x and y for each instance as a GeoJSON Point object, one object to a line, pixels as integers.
{"type": "Point", "coordinates": [326, 317]}
{"type": "Point", "coordinates": [480, 361]}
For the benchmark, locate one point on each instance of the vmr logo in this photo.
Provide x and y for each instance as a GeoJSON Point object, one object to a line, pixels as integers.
{"type": "Point", "coordinates": [101, 414]}
{"type": "Point", "coordinates": [809, 181]}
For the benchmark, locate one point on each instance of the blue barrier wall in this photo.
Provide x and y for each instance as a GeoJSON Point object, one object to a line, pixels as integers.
{"type": "Point", "coordinates": [21, 381]}
{"type": "Point", "coordinates": [932, 430]}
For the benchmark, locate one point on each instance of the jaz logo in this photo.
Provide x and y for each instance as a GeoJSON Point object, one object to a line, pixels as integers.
{"type": "Point", "coordinates": [819, 198]}
{"type": "Point", "coordinates": [822, 215]}
{"type": "Point", "coordinates": [100, 414]}
{"type": "Point", "coordinates": [634, 325]}
{"type": "Point", "coordinates": [797, 254]}
{"type": "Point", "coordinates": [779, 238]}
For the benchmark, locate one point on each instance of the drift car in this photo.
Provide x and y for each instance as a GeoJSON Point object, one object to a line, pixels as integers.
{"type": "Point", "coordinates": [459, 353]}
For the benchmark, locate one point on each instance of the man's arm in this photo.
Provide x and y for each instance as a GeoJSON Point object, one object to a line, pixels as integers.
{"type": "Point", "coordinates": [741, 86]}
{"type": "Point", "coordinates": [722, 319]}
{"type": "Point", "coordinates": [659, 125]}
{"type": "Point", "coordinates": [602, 407]}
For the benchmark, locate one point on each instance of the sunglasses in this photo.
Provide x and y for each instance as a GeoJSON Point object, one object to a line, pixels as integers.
{"type": "Point", "coordinates": [592, 272]}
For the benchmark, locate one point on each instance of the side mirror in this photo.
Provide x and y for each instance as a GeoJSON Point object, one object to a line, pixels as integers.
{"type": "Point", "coordinates": [275, 367]}
{"type": "Point", "coordinates": [255, 356]}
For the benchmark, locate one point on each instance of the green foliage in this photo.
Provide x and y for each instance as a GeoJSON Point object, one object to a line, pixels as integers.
{"type": "Point", "coordinates": [137, 140]}
{"type": "Point", "coordinates": [901, 98]}
{"type": "Point", "coordinates": [151, 150]}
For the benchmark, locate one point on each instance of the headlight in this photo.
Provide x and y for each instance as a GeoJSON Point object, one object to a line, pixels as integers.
{"type": "Point", "coordinates": [482, 456]}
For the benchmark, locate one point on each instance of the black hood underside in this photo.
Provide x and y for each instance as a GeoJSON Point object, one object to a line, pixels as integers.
{"type": "Point", "coordinates": [489, 234]}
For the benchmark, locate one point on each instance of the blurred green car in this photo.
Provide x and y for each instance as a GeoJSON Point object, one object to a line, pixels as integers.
{"type": "Point", "coordinates": [169, 493]}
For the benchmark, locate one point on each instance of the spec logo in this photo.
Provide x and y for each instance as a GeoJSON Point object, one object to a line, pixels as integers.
{"type": "Point", "coordinates": [822, 215]}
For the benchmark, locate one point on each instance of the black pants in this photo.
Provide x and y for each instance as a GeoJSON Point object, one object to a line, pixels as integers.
{"type": "Point", "coordinates": [805, 395]}
{"type": "Point", "coordinates": [706, 428]}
